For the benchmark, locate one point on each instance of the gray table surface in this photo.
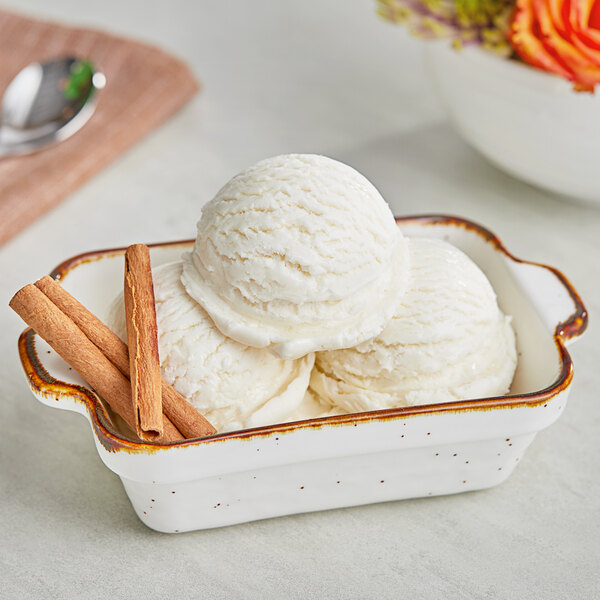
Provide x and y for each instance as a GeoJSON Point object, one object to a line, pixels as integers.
{"type": "Point", "coordinates": [283, 76]}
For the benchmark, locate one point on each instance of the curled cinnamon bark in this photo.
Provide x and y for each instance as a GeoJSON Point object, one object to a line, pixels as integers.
{"type": "Point", "coordinates": [183, 415]}
{"type": "Point", "coordinates": [142, 340]}
{"type": "Point", "coordinates": [69, 342]}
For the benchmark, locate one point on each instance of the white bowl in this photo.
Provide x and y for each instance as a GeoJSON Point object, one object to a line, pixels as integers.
{"type": "Point", "coordinates": [335, 461]}
{"type": "Point", "coordinates": [528, 122]}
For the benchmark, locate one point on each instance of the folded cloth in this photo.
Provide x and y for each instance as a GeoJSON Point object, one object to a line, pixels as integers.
{"type": "Point", "coordinates": [144, 87]}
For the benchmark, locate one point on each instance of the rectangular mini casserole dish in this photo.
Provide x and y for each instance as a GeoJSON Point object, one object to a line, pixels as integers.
{"type": "Point", "coordinates": [342, 460]}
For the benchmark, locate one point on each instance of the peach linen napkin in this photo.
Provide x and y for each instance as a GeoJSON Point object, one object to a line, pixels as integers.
{"type": "Point", "coordinates": [144, 87]}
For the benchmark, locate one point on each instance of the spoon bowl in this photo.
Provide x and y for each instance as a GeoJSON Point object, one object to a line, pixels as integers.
{"type": "Point", "coordinates": [46, 103]}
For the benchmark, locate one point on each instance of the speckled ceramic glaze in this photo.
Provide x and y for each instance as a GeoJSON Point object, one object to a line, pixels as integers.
{"type": "Point", "coordinates": [335, 461]}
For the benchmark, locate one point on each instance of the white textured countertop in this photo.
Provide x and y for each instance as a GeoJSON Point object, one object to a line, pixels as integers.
{"type": "Point", "coordinates": [283, 76]}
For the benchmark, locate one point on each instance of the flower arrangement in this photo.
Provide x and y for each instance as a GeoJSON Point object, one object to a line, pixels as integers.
{"type": "Point", "coordinates": [558, 36]}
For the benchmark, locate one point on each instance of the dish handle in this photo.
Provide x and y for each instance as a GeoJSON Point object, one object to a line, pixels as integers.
{"type": "Point", "coordinates": [555, 299]}
{"type": "Point", "coordinates": [47, 389]}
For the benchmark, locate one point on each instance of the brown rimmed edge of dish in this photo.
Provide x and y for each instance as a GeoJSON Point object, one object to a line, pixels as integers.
{"type": "Point", "coordinates": [42, 382]}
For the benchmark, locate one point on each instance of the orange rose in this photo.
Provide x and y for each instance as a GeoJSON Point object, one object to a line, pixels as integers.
{"type": "Point", "coordinates": [560, 36]}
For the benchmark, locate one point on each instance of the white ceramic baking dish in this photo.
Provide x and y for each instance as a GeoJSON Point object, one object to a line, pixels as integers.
{"type": "Point", "coordinates": [343, 460]}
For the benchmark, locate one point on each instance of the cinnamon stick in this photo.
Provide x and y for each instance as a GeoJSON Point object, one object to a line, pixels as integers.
{"type": "Point", "coordinates": [183, 415]}
{"type": "Point", "coordinates": [69, 342]}
{"type": "Point", "coordinates": [142, 340]}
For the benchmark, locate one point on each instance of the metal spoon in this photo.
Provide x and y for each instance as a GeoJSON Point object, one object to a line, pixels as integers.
{"type": "Point", "coordinates": [46, 103]}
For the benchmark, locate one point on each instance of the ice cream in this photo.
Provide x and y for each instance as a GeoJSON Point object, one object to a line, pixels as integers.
{"type": "Point", "coordinates": [448, 340]}
{"type": "Point", "coordinates": [232, 385]}
{"type": "Point", "coordinates": [298, 253]}
{"type": "Point", "coordinates": [313, 407]}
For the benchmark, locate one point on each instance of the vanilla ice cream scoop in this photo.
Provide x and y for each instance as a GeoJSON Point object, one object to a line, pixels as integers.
{"type": "Point", "coordinates": [298, 253]}
{"type": "Point", "coordinates": [232, 385]}
{"type": "Point", "coordinates": [448, 340]}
